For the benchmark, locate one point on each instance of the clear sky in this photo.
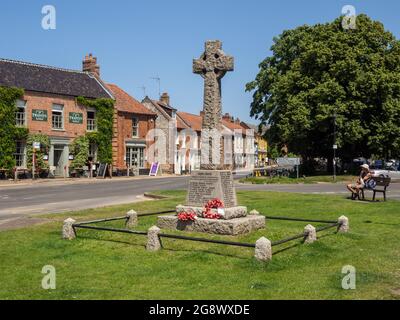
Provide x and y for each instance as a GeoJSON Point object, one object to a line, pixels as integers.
{"type": "Point", "coordinates": [137, 40]}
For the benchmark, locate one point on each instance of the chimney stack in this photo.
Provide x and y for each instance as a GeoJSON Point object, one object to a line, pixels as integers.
{"type": "Point", "coordinates": [90, 65]}
{"type": "Point", "coordinates": [227, 117]}
{"type": "Point", "coordinates": [165, 98]}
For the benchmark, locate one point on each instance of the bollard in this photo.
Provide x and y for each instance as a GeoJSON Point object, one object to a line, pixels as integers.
{"type": "Point", "coordinates": [263, 251]}
{"type": "Point", "coordinates": [68, 231]}
{"type": "Point", "coordinates": [343, 224]}
{"type": "Point", "coordinates": [132, 219]}
{"type": "Point", "coordinates": [311, 234]}
{"type": "Point", "coordinates": [153, 240]}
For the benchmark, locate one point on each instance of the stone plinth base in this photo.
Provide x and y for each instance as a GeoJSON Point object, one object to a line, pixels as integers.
{"type": "Point", "coordinates": [231, 227]}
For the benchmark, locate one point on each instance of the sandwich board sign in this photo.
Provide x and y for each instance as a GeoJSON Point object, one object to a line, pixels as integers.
{"type": "Point", "coordinates": [155, 166]}
{"type": "Point", "coordinates": [102, 170]}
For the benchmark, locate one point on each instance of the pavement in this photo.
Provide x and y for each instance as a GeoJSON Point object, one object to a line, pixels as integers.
{"type": "Point", "coordinates": [22, 201]}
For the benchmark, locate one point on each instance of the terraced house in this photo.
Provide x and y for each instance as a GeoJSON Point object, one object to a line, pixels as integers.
{"type": "Point", "coordinates": [49, 107]}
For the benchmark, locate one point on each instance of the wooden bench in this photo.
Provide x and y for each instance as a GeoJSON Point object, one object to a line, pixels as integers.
{"type": "Point", "coordinates": [382, 184]}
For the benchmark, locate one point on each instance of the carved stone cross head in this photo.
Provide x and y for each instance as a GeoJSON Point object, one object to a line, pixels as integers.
{"type": "Point", "coordinates": [213, 60]}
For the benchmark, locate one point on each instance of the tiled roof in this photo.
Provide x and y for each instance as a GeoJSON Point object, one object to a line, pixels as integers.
{"type": "Point", "coordinates": [160, 106]}
{"type": "Point", "coordinates": [232, 125]}
{"type": "Point", "coordinates": [126, 103]}
{"type": "Point", "coordinates": [181, 124]}
{"type": "Point", "coordinates": [194, 121]}
{"type": "Point", "coordinates": [40, 78]}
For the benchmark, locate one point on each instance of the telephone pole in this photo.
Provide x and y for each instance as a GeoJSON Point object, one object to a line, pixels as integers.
{"type": "Point", "coordinates": [334, 146]}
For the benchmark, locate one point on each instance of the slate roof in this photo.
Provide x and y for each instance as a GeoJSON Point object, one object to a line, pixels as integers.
{"type": "Point", "coordinates": [126, 103]}
{"type": "Point", "coordinates": [41, 78]}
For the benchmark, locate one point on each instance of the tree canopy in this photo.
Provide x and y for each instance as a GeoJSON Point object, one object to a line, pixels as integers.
{"type": "Point", "coordinates": [320, 72]}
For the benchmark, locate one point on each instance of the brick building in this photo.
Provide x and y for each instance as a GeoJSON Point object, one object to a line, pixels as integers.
{"type": "Point", "coordinates": [49, 107]}
{"type": "Point", "coordinates": [132, 123]}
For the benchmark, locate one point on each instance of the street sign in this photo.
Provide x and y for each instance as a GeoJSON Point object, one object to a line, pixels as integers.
{"type": "Point", "coordinates": [335, 146]}
{"type": "Point", "coordinates": [36, 145]}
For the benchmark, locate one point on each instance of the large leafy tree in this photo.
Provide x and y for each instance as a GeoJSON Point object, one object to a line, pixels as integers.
{"type": "Point", "coordinates": [318, 72]}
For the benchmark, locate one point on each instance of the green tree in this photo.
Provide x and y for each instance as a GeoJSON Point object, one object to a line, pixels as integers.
{"type": "Point", "coordinates": [317, 72]}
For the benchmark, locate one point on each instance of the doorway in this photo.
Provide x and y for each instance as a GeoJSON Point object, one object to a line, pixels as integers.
{"type": "Point", "coordinates": [59, 160]}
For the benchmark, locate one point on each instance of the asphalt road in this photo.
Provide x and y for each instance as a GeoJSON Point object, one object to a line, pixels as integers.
{"type": "Point", "coordinates": [21, 201]}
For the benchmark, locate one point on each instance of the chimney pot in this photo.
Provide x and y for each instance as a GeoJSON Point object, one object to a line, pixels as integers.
{"type": "Point", "coordinates": [165, 98]}
{"type": "Point", "coordinates": [89, 64]}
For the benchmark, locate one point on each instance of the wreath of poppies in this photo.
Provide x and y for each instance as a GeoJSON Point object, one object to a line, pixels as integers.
{"type": "Point", "coordinates": [187, 216]}
{"type": "Point", "coordinates": [212, 204]}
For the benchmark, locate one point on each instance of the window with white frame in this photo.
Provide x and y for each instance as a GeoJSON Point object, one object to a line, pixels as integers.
{"type": "Point", "coordinates": [20, 114]}
{"type": "Point", "coordinates": [57, 117]}
{"type": "Point", "coordinates": [20, 154]}
{"type": "Point", "coordinates": [135, 127]}
{"type": "Point", "coordinates": [91, 120]}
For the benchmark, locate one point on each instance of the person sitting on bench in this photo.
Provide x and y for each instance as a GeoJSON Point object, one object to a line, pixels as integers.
{"type": "Point", "coordinates": [355, 188]}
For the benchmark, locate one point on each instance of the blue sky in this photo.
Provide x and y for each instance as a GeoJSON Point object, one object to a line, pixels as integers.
{"type": "Point", "coordinates": [137, 40]}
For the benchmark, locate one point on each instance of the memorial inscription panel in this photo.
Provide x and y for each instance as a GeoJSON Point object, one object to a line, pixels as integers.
{"type": "Point", "coordinates": [209, 184]}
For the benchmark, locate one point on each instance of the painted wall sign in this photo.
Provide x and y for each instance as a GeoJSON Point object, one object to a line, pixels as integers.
{"type": "Point", "coordinates": [39, 115]}
{"type": "Point", "coordinates": [76, 117]}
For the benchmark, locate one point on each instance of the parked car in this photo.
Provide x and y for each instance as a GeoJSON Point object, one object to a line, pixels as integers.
{"type": "Point", "coordinates": [394, 174]}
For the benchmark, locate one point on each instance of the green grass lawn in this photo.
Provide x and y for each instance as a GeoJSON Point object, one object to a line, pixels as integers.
{"type": "Point", "coordinates": [104, 265]}
{"type": "Point", "coordinates": [306, 180]}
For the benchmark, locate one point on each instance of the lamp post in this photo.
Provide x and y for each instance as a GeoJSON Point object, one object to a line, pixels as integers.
{"type": "Point", "coordinates": [334, 146]}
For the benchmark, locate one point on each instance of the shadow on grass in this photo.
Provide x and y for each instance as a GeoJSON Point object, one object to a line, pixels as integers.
{"type": "Point", "coordinates": [163, 247]}
{"type": "Point", "coordinates": [213, 252]}
{"type": "Point", "coordinates": [301, 243]}
{"type": "Point", "coordinates": [112, 241]}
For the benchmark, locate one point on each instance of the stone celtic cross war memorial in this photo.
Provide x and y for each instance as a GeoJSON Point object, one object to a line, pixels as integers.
{"type": "Point", "coordinates": [210, 183]}
{"type": "Point", "coordinates": [212, 65]}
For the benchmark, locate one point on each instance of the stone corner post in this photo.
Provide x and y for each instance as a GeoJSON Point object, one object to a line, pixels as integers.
{"type": "Point", "coordinates": [153, 239]}
{"type": "Point", "coordinates": [68, 231]}
{"type": "Point", "coordinates": [343, 224]}
{"type": "Point", "coordinates": [311, 234]}
{"type": "Point", "coordinates": [131, 219]}
{"type": "Point", "coordinates": [263, 251]}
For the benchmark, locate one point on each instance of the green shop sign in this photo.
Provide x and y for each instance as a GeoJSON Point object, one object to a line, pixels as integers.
{"type": "Point", "coordinates": [75, 117]}
{"type": "Point", "coordinates": [39, 115]}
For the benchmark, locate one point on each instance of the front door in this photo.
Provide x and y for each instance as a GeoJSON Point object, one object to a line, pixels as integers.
{"type": "Point", "coordinates": [135, 157]}
{"type": "Point", "coordinates": [59, 160]}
